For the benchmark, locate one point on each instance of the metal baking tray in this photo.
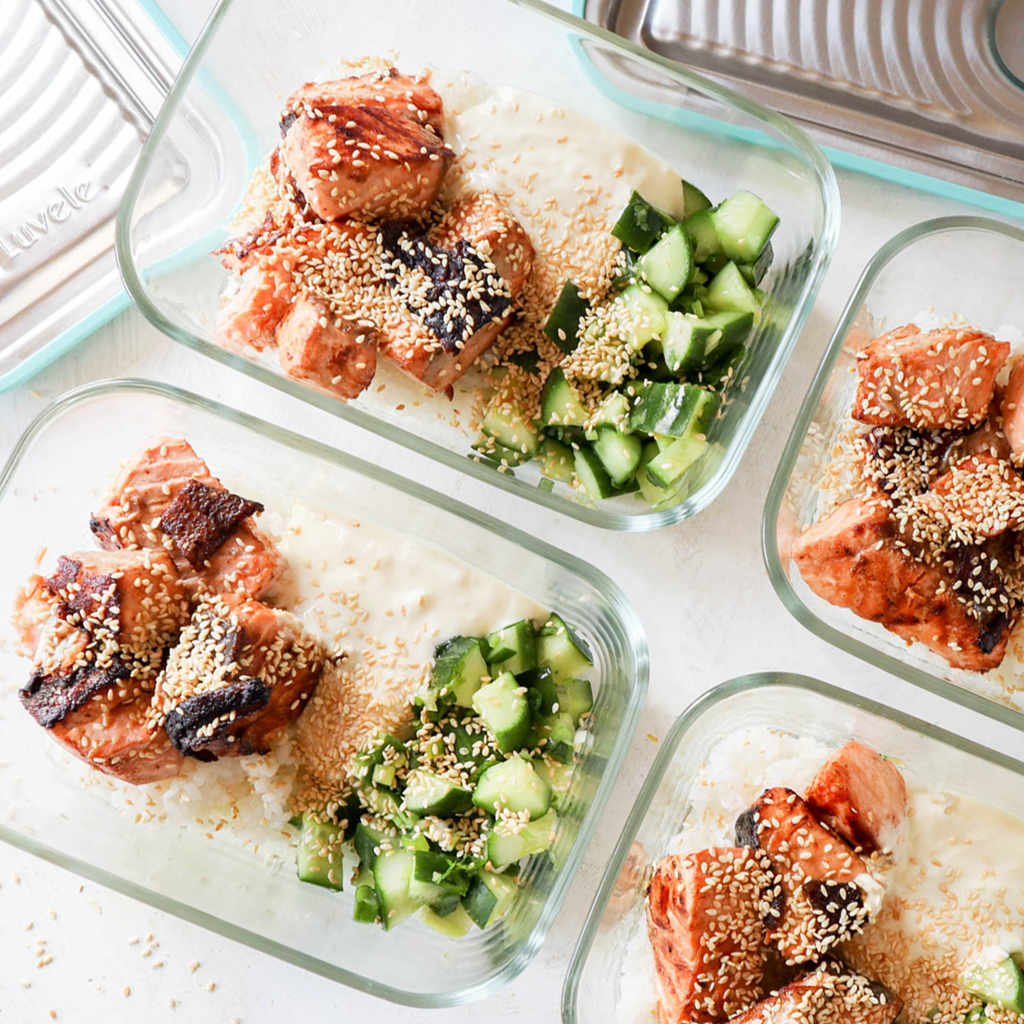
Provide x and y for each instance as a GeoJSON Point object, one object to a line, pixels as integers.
{"type": "Point", "coordinates": [925, 89]}
{"type": "Point", "coordinates": [81, 82]}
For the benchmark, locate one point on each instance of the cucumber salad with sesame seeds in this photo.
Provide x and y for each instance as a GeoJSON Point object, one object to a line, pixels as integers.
{"type": "Point", "coordinates": [646, 365]}
{"type": "Point", "coordinates": [439, 821]}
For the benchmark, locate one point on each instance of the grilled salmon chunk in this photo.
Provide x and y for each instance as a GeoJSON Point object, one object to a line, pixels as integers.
{"type": "Point", "coordinates": [458, 287]}
{"type": "Point", "coordinates": [111, 617]}
{"type": "Point", "coordinates": [252, 315]}
{"type": "Point", "coordinates": [367, 147]}
{"type": "Point", "coordinates": [240, 673]}
{"type": "Point", "coordinates": [861, 796]}
{"type": "Point", "coordinates": [317, 346]}
{"type": "Point", "coordinates": [819, 888]}
{"type": "Point", "coordinates": [1011, 409]}
{"type": "Point", "coordinates": [928, 380]}
{"type": "Point", "coordinates": [855, 558]}
{"type": "Point", "coordinates": [704, 924]}
{"type": "Point", "coordinates": [166, 499]}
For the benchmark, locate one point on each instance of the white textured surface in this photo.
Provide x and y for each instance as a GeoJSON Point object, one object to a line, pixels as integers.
{"type": "Point", "coordinates": [700, 589]}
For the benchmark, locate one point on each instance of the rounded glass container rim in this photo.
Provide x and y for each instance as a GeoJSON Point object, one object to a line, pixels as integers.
{"type": "Point", "coordinates": [633, 638]}
{"type": "Point", "coordinates": [812, 155]}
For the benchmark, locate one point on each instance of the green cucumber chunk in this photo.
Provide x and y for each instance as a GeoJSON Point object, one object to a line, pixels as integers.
{"type": "Point", "coordinates": [512, 648]}
{"type": "Point", "coordinates": [515, 786]}
{"type": "Point", "coordinates": [692, 343]}
{"type": "Point", "coordinates": [653, 492]}
{"type": "Point", "coordinates": [435, 878]}
{"type": "Point", "coordinates": [505, 711]}
{"type": "Point", "coordinates": [590, 472]}
{"type": "Point", "coordinates": [619, 453]}
{"type": "Point", "coordinates": [318, 858]}
{"type": "Point", "coordinates": [489, 897]}
{"type": "Point", "coordinates": [558, 776]}
{"type": "Point", "coordinates": [645, 310]}
{"type": "Point", "coordinates": [559, 405]}
{"type": "Point", "coordinates": [613, 411]}
{"type": "Point", "coordinates": [754, 273]}
{"type": "Point", "coordinates": [426, 792]}
{"type": "Point", "coordinates": [564, 321]}
{"type": "Point", "coordinates": [368, 842]}
{"type": "Point", "coordinates": [729, 291]}
{"type": "Point", "coordinates": [507, 422]}
{"type": "Point", "coordinates": [694, 201]}
{"type": "Point", "coordinates": [1001, 983]}
{"type": "Point", "coordinates": [674, 409]}
{"type": "Point", "coordinates": [454, 925]}
{"type": "Point", "coordinates": [702, 234]}
{"type": "Point", "coordinates": [667, 265]}
{"type": "Point", "coordinates": [561, 650]}
{"type": "Point", "coordinates": [366, 908]}
{"type": "Point", "coordinates": [556, 461]}
{"type": "Point", "coordinates": [668, 466]}
{"type": "Point", "coordinates": [459, 670]}
{"type": "Point", "coordinates": [510, 842]}
{"type": "Point", "coordinates": [392, 874]}
{"type": "Point", "coordinates": [744, 224]}
{"type": "Point", "coordinates": [639, 224]}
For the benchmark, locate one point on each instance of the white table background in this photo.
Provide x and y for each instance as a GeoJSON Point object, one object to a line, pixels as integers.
{"type": "Point", "coordinates": [701, 591]}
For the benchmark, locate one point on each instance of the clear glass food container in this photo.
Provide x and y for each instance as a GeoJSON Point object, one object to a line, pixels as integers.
{"type": "Point", "coordinates": [793, 704]}
{"type": "Point", "coordinates": [259, 51]}
{"type": "Point", "coordinates": [47, 489]}
{"type": "Point", "coordinates": [968, 267]}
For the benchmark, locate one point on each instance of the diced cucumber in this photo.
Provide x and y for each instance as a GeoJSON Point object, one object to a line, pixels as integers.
{"type": "Point", "coordinates": [729, 291]}
{"type": "Point", "coordinates": [691, 343]}
{"type": "Point", "coordinates": [975, 1015]}
{"type": "Point", "coordinates": [480, 742]}
{"type": "Point", "coordinates": [489, 897]}
{"type": "Point", "coordinates": [368, 843]}
{"type": "Point", "coordinates": [509, 843]}
{"type": "Point", "coordinates": [1001, 983]}
{"type": "Point", "coordinates": [558, 776]}
{"type": "Point", "coordinates": [559, 405]}
{"type": "Point", "coordinates": [701, 230]}
{"type": "Point", "coordinates": [556, 734]}
{"type": "Point", "coordinates": [654, 493]}
{"type": "Point", "coordinates": [392, 874]}
{"type": "Point", "coordinates": [645, 310]}
{"type": "Point", "coordinates": [693, 199]}
{"type": "Point", "coordinates": [436, 877]}
{"type": "Point", "coordinates": [366, 909]}
{"type": "Point", "coordinates": [504, 709]}
{"type": "Point", "coordinates": [506, 421]}
{"type": "Point", "coordinates": [454, 925]}
{"type": "Point", "coordinates": [488, 449]}
{"type": "Point", "coordinates": [515, 786]}
{"type": "Point", "coordinates": [640, 224]}
{"type": "Point", "coordinates": [386, 804]}
{"type": "Point", "coordinates": [619, 453]}
{"type": "Point", "coordinates": [319, 856]}
{"type": "Point", "coordinates": [667, 265]}
{"type": "Point", "coordinates": [564, 321]}
{"type": "Point", "coordinates": [744, 224]}
{"type": "Point", "coordinates": [426, 792]}
{"type": "Point", "coordinates": [754, 273]}
{"type": "Point", "coordinates": [512, 649]}
{"type": "Point", "coordinates": [674, 409]}
{"type": "Point", "coordinates": [384, 749]}
{"type": "Point", "coordinates": [459, 670]}
{"type": "Point", "coordinates": [591, 474]}
{"type": "Point", "coordinates": [556, 461]}
{"type": "Point", "coordinates": [613, 411]}
{"type": "Point", "coordinates": [384, 775]}
{"type": "Point", "coordinates": [668, 467]}
{"type": "Point", "coordinates": [561, 650]}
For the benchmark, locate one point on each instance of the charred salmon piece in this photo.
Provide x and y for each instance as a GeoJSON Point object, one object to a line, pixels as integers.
{"type": "Point", "coordinates": [818, 890]}
{"type": "Point", "coordinates": [165, 498]}
{"type": "Point", "coordinates": [979, 494]}
{"type": "Point", "coordinates": [250, 317]}
{"type": "Point", "coordinates": [241, 672]}
{"type": "Point", "coordinates": [852, 560]}
{"type": "Point", "coordinates": [364, 147]}
{"type": "Point", "coordinates": [831, 994]}
{"type": "Point", "coordinates": [706, 934]}
{"type": "Point", "coordinates": [333, 353]}
{"type": "Point", "coordinates": [33, 605]}
{"type": "Point", "coordinates": [1012, 413]}
{"type": "Point", "coordinates": [120, 740]}
{"type": "Point", "coordinates": [859, 795]}
{"type": "Point", "coordinates": [928, 380]}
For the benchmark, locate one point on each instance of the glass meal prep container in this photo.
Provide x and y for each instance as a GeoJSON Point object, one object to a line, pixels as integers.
{"type": "Point", "coordinates": [968, 267]}
{"type": "Point", "coordinates": [259, 51]}
{"type": "Point", "coordinates": [793, 704]}
{"type": "Point", "coordinates": [53, 479]}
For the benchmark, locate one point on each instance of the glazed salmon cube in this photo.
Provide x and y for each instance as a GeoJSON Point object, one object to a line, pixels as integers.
{"type": "Point", "coordinates": [706, 933]}
{"type": "Point", "coordinates": [240, 673]}
{"type": "Point", "coordinates": [861, 796]}
{"type": "Point", "coordinates": [851, 559]}
{"type": "Point", "coordinates": [928, 380]}
{"type": "Point", "coordinates": [980, 495]}
{"type": "Point", "coordinates": [321, 348]}
{"type": "Point", "coordinates": [213, 525]}
{"type": "Point", "coordinates": [252, 315]}
{"type": "Point", "coordinates": [1012, 413]}
{"type": "Point", "coordinates": [817, 896]}
{"type": "Point", "coordinates": [365, 147]}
